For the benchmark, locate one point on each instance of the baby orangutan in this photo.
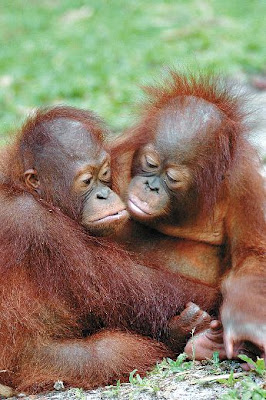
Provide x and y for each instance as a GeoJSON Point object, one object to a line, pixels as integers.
{"type": "Point", "coordinates": [75, 307]}
{"type": "Point", "coordinates": [193, 188]}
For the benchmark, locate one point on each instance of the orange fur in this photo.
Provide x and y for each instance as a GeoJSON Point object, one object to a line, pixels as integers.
{"type": "Point", "coordinates": [59, 286]}
{"type": "Point", "coordinates": [229, 200]}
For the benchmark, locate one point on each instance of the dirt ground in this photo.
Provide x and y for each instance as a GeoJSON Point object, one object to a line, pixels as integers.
{"type": "Point", "coordinates": [202, 381]}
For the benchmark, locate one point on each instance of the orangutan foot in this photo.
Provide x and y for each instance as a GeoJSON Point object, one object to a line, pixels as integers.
{"type": "Point", "coordinates": [202, 345]}
{"type": "Point", "coordinates": [192, 318]}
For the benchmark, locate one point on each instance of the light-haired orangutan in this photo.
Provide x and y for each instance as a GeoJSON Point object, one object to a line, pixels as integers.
{"type": "Point", "coordinates": [192, 184]}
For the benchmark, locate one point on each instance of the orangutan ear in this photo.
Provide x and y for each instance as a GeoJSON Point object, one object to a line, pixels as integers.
{"type": "Point", "coordinates": [32, 179]}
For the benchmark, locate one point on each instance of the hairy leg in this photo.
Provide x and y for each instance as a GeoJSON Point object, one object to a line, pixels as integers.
{"type": "Point", "coordinates": [97, 360]}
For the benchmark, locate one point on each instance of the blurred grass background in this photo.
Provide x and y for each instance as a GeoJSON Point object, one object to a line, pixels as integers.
{"type": "Point", "coordinates": [95, 53]}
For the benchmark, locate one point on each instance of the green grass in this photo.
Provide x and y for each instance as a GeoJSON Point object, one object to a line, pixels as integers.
{"type": "Point", "coordinates": [241, 385]}
{"type": "Point", "coordinates": [95, 53]}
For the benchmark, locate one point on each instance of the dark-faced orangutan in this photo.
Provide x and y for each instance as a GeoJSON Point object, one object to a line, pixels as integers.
{"type": "Point", "coordinates": [68, 300]}
{"type": "Point", "coordinates": [194, 183]}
